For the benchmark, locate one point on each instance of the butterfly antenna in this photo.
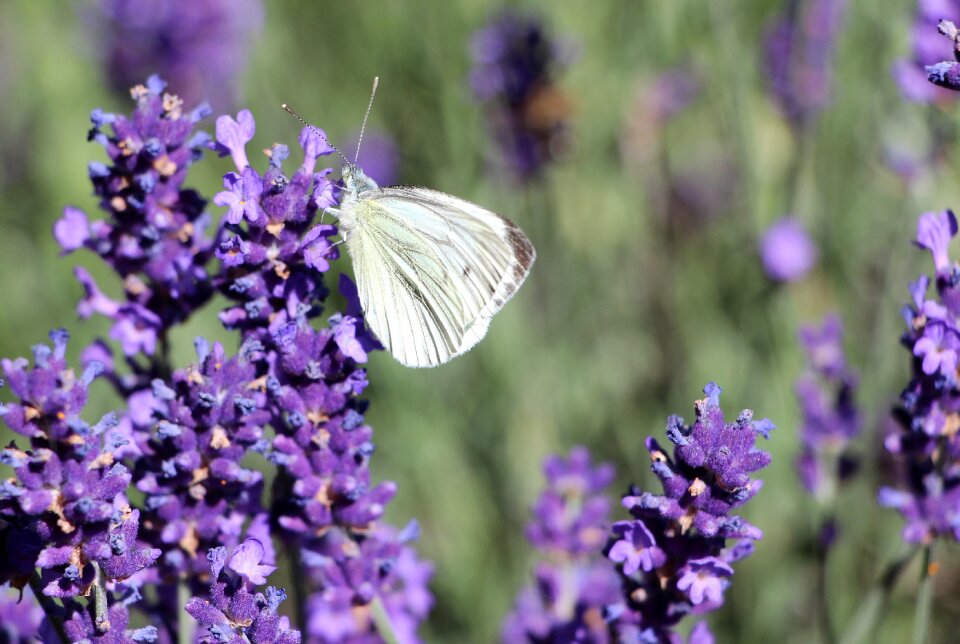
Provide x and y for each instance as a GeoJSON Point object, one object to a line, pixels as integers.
{"type": "Point", "coordinates": [363, 128]}
{"type": "Point", "coordinates": [292, 112]}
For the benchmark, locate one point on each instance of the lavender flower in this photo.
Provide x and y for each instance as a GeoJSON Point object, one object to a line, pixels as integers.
{"type": "Point", "coordinates": [830, 417]}
{"type": "Point", "coordinates": [575, 590]}
{"type": "Point", "coordinates": [325, 504]}
{"type": "Point", "coordinates": [379, 156]}
{"type": "Point", "coordinates": [515, 62]}
{"type": "Point", "coordinates": [154, 234]}
{"type": "Point", "coordinates": [233, 611]}
{"type": "Point", "coordinates": [201, 46]}
{"type": "Point", "coordinates": [85, 625]}
{"type": "Point", "coordinates": [20, 616]}
{"type": "Point", "coordinates": [786, 250]}
{"type": "Point", "coordinates": [926, 448]}
{"type": "Point", "coordinates": [65, 511]}
{"type": "Point", "coordinates": [674, 556]}
{"type": "Point", "coordinates": [913, 75]}
{"type": "Point", "coordinates": [799, 56]}
{"type": "Point", "coordinates": [197, 493]}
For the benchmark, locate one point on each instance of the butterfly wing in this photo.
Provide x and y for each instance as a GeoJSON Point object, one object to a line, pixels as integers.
{"type": "Point", "coordinates": [432, 270]}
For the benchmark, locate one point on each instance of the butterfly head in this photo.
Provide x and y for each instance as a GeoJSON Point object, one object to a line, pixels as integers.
{"type": "Point", "coordinates": [355, 182]}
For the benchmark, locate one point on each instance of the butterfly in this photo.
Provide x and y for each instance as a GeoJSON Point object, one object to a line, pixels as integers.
{"type": "Point", "coordinates": [431, 269]}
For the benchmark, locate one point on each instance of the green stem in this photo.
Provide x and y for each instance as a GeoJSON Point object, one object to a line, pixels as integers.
{"type": "Point", "coordinates": [381, 619]}
{"type": "Point", "coordinates": [185, 626]}
{"type": "Point", "coordinates": [921, 621]}
{"type": "Point", "coordinates": [297, 586]}
{"type": "Point", "coordinates": [868, 614]}
{"type": "Point", "coordinates": [823, 605]}
{"type": "Point", "coordinates": [53, 612]}
{"type": "Point", "coordinates": [101, 611]}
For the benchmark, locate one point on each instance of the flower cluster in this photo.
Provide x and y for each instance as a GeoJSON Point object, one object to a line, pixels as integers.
{"type": "Point", "coordinates": [674, 556]}
{"type": "Point", "coordinates": [947, 73]}
{"type": "Point", "coordinates": [798, 55]}
{"type": "Point", "coordinates": [172, 37]}
{"type": "Point", "coordinates": [830, 417]}
{"type": "Point", "coordinates": [325, 503]}
{"type": "Point", "coordinates": [197, 493]}
{"type": "Point", "coordinates": [928, 411]}
{"type": "Point", "coordinates": [927, 48]}
{"type": "Point", "coordinates": [274, 253]}
{"type": "Point", "coordinates": [515, 61]}
{"type": "Point", "coordinates": [574, 588]}
{"type": "Point", "coordinates": [154, 236]}
{"type": "Point", "coordinates": [65, 512]}
{"type": "Point", "coordinates": [232, 611]}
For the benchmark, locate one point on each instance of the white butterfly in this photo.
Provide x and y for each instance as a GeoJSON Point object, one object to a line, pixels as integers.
{"type": "Point", "coordinates": [431, 269]}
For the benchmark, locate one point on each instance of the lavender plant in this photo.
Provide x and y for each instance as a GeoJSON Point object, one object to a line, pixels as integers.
{"type": "Point", "coordinates": [927, 49]}
{"type": "Point", "coordinates": [290, 397]}
{"type": "Point", "coordinates": [831, 419]}
{"type": "Point", "coordinates": [672, 559]}
{"type": "Point", "coordinates": [515, 63]}
{"type": "Point", "coordinates": [926, 448]}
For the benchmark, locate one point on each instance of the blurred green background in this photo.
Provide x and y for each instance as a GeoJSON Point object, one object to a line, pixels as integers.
{"type": "Point", "coordinates": [630, 309]}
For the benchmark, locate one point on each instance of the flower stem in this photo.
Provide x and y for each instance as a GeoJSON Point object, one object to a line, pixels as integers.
{"type": "Point", "coordinates": [184, 626]}
{"type": "Point", "coordinates": [381, 619]}
{"type": "Point", "coordinates": [921, 620]}
{"type": "Point", "coordinates": [870, 609]}
{"type": "Point", "coordinates": [53, 612]}
{"type": "Point", "coordinates": [823, 604]}
{"type": "Point", "coordinates": [298, 588]}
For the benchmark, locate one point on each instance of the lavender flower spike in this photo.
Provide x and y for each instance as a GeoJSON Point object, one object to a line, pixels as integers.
{"type": "Point", "coordinates": [926, 447]}
{"type": "Point", "coordinates": [575, 591]}
{"type": "Point", "coordinates": [675, 557]}
{"type": "Point", "coordinates": [830, 418]}
{"type": "Point", "coordinates": [234, 611]}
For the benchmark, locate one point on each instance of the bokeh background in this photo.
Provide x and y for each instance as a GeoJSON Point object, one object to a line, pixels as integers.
{"type": "Point", "coordinates": [672, 157]}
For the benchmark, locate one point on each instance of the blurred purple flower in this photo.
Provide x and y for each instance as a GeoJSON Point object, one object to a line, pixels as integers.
{"type": "Point", "coordinates": [799, 50]}
{"type": "Point", "coordinates": [914, 76]}
{"type": "Point", "coordinates": [825, 393]}
{"type": "Point", "coordinates": [926, 449]}
{"type": "Point", "coordinates": [515, 61]}
{"type": "Point", "coordinates": [379, 156]}
{"type": "Point", "coordinates": [786, 250]}
{"type": "Point", "coordinates": [154, 236]}
{"type": "Point", "coordinates": [575, 588]}
{"type": "Point", "coordinates": [200, 46]}
{"type": "Point", "coordinates": [20, 616]}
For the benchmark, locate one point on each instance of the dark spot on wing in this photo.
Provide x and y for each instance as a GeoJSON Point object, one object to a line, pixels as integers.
{"type": "Point", "coordinates": [466, 271]}
{"type": "Point", "coordinates": [522, 250]}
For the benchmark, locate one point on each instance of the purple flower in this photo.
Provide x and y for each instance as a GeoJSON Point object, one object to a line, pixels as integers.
{"type": "Point", "coordinates": [20, 616]}
{"type": "Point", "coordinates": [787, 251]}
{"type": "Point", "coordinates": [200, 46]}
{"type": "Point", "coordinates": [72, 230]}
{"type": "Point", "coordinates": [636, 549]}
{"type": "Point", "coordinates": [799, 56]}
{"type": "Point", "coordinates": [246, 561]}
{"type": "Point", "coordinates": [65, 510]}
{"type": "Point", "coordinates": [938, 349]}
{"type": "Point", "coordinates": [918, 75]}
{"type": "Point", "coordinates": [515, 62]}
{"type": "Point", "coordinates": [934, 232]}
{"type": "Point", "coordinates": [240, 196]}
{"type": "Point", "coordinates": [674, 556]}
{"type": "Point", "coordinates": [925, 449]}
{"type": "Point", "coordinates": [233, 136]}
{"type": "Point", "coordinates": [233, 611]}
{"type": "Point", "coordinates": [84, 626]}
{"type": "Point", "coordinates": [379, 156]}
{"type": "Point", "coordinates": [573, 593]}
{"type": "Point", "coordinates": [825, 393]}
{"type": "Point", "coordinates": [704, 580]}
{"type": "Point", "coordinates": [154, 234]}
